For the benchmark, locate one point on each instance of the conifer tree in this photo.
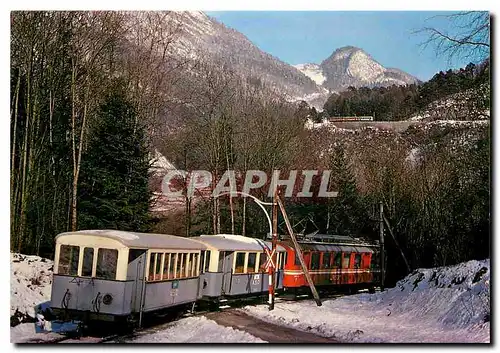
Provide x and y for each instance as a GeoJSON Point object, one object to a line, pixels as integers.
{"type": "Point", "coordinates": [346, 209]}
{"type": "Point", "coordinates": [114, 185]}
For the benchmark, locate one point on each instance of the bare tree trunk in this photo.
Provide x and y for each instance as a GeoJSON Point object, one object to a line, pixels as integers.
{"type": "Point", "coordinates": [77, 157]}
{"type": "Point", "coordinates": [214, 204]}
{"type": "Point", "coordinates": [243, 226]}
{"type": "Point", "coordinates": [13, 174]}
{"type": "Point", "coordinates": [231, 208]}
{"type": "Point", "coordinates": [13, 153]}
{"type": "Point", "coordinates": [73, 141]}
{"type": "Point", "coordinates": [22, 217]}
{"type": "Point", "coordinates": [77, 171]}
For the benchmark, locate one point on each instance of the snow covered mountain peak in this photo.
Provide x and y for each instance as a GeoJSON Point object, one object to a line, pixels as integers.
{"type": "Point", "coordinates": [352, 66]}
{"type": "Point", "coordinates": [361, 65]}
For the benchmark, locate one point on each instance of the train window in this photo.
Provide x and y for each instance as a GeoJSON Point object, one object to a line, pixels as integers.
{"type": "Point", "coordinates": [346, 259]}
{"type": "Point", "coordinates": [207, 260]}
{"type": "Point", "coordinates": [165, 266]}
{"type": "Point", "coordinates": [221, 261]}
{"type": "Point", "coordinates": [315, 261]}
{"type": "Point", "coordinates": [202, 263]}
{"type": "Point", "coordinates": [375, 260]}
{"type": "Point", "coordinates": [178, 266]}
{"type": "Point", "coordinates": [326, 260]}
{"type": "Point", "coordinates": [252, 259]}
{"type": "Point", "coordinates": [357, 261]}
{"type": "Point", "coordinates": [152, 259]}
{"type": "Point", "coordinates": [189, 265]}
{"type": "Point", "coordinates": [337, 262]}
{"type": "Point", "coordinates": [196, 272]}
{"type": "Point", "coordinates": [285, 256]}
{"type": "Point", "coordinates": [240, 262]}
{"type": "Point", "coordinates": [306, 256]}
{"type": "Point", "coordinates": [181, 259]}
{"type": "Point", "coordinates": [171, 267]}
{"type": "Point", "coordinates": [158, 267]}
{"type": "Point", "coordinates": [262, 262]}
{"type": "Point", "coordinates": [297, 260]}
{"type": "Point", "coordinates": [68, 260]}
{"type": "Point", "coordinates": [107, 260]}
{"type": "Point", "coordinates": [281, 260]}
{"type": "Point", "coordinates": [193, 264]}
{"type": "Point", "coordinates": [88, 261]}
{"type": "Point", "coordinates": [134, 254]}
{"type": "Point", "coordinates": [185, 265]}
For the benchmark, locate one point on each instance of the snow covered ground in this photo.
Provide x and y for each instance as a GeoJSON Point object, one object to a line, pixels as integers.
{"type": "Point", "coordinates": [25, 333]}
{"type": "Point", "coordinates": [31, 279]}
{"type": "Point", "coordinates": [30, 284]}
{"type": "Point", "coordinates": [197, 329]}
{"type": "Point", "coordinates": [448, 304]}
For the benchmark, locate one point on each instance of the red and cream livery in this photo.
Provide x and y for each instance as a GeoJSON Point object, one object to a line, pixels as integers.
{"type": "Point", "coordinates": [332, 261]}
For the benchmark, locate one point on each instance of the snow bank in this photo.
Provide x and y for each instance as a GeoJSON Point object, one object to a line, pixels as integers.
{"type": "Point", "coordinates": [25, 333]}
{"type": "Point", "coordinates": [447, 304]}
{"type": "Point", "coordinates": [30, 285]}
{"type": "Point", "coordinates": [197, 330]}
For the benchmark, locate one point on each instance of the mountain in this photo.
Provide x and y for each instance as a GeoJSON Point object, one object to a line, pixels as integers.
{"type": "Point", "coordinates": [198, 36]}
{"type": "Point", "coordinates": [202, 36]}
{"type": "Point", "coordinates": [351, 66]}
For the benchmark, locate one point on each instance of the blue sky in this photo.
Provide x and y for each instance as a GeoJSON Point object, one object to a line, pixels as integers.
{"type": "Point", "coordinates": [298, 37]}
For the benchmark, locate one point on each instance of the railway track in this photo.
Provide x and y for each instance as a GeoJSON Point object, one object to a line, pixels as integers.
{"type": "Point", "coordinates": [164, 322]}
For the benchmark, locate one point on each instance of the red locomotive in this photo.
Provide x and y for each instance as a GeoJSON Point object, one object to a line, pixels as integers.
{"type": "Point", "coordinates": [334, 262]}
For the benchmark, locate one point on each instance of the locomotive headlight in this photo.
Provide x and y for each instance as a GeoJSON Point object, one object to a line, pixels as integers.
{"type": "Point", "coordinates": [107, 299]}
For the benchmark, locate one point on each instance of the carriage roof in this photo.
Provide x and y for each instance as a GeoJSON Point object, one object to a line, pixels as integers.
{"type": "Point", "coordinates": [324, 247]}
{"type": "Point", "coordinates": [234, 242]}
{"type": "Point", "coordinates": [332, 247]}
{"type": "Point", "coordinates": [141, 240]}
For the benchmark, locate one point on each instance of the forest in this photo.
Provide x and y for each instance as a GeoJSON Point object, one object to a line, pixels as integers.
{"type": "Point", "coordinates": [94, 94]}
{"type": "Point", "coordinates": [401, 102]}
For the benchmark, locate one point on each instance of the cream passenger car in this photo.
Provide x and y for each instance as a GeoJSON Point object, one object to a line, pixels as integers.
{"type": "Point", "coordinates": [114, 275]}
{"type": "Point", "coordinates": [235, 266]}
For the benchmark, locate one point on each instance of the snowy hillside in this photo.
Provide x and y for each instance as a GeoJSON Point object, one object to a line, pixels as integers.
{"type": "Point", "coordinates": [457, 106]}
{"type": "Point", "coordinates": [30, 284]}
{"type": "Point", "coordinates": [203, 36]}
{"type": "Point", "coordinates": [447, 304]}
{"type": "Point", "coordinates": [313, 71]}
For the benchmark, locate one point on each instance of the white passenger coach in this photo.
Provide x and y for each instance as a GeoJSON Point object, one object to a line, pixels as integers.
{"type": "Point", "coordinates": [110, 275]}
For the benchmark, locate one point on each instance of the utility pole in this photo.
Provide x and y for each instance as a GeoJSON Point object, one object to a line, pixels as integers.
{"type": "Point", "coordinates": [382, 249]}
{"type": "Point", "coordinates": [397, 244]}
{"type": "Point", "coordinates": [273, 264]}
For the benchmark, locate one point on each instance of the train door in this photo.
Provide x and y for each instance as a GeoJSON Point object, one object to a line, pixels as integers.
{"type": "Point", "coordinates": [85, 285]}
{"type": "Point", "coordinates": [226, 267]}
{"type": "Point", "coordinates": [136, 272]}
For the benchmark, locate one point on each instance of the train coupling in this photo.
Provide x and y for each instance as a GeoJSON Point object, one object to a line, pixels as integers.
{"type": "Point", "coordinates": [46, 321]}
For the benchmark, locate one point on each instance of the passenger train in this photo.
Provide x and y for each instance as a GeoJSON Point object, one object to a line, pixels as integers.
{"type": "Point", "coordinates": [350, 118]}
{"type": "Point", "coordinates": [109, 275]}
